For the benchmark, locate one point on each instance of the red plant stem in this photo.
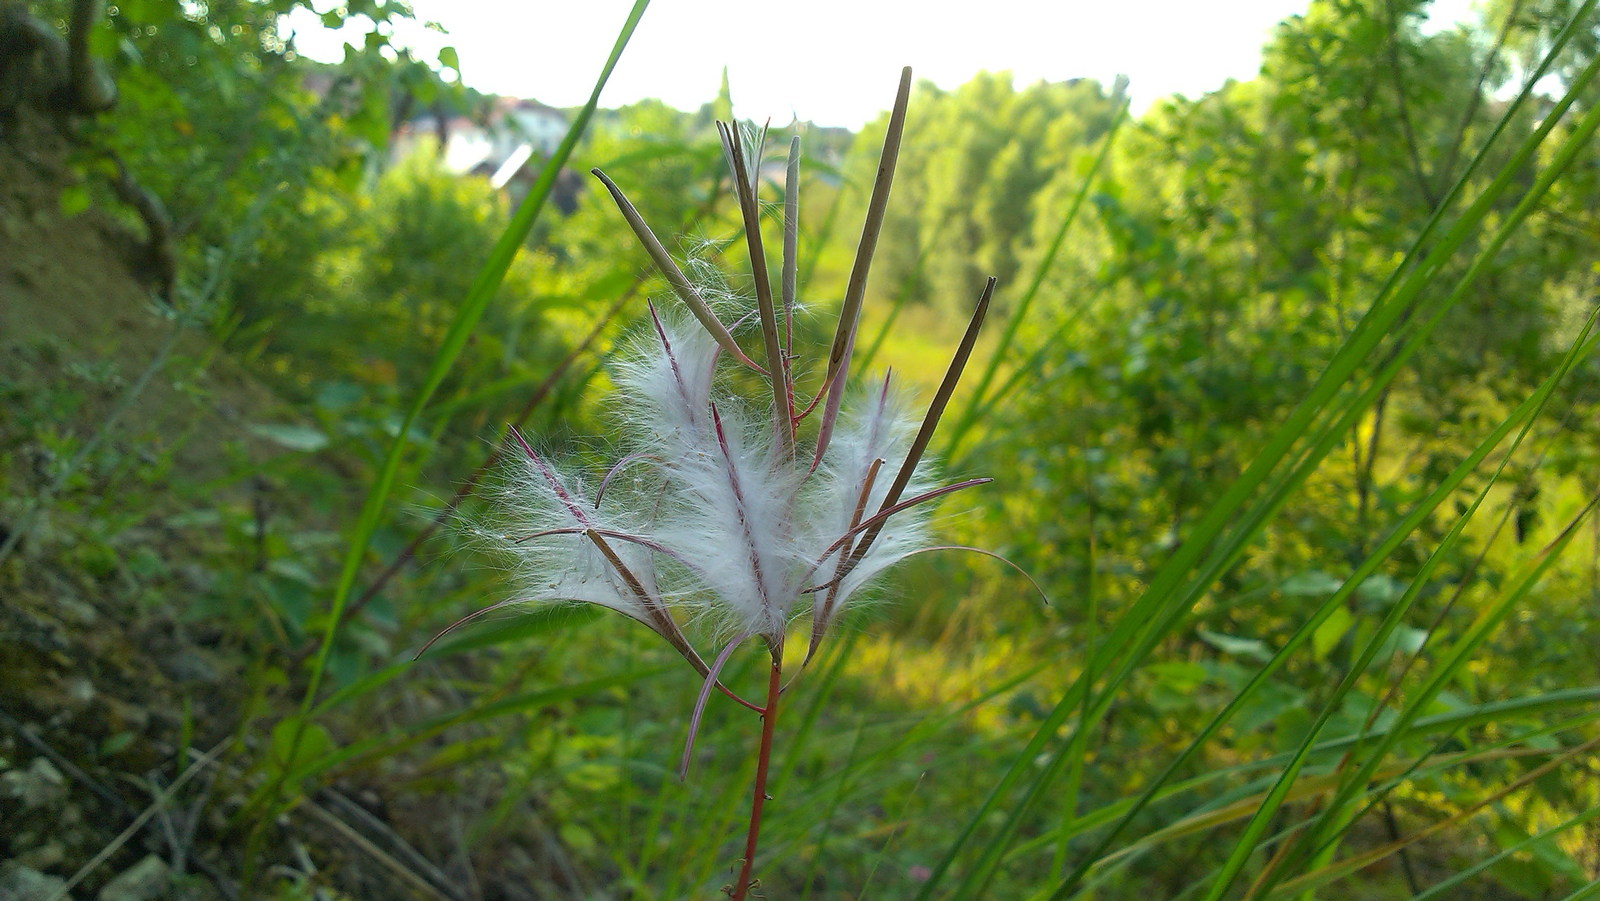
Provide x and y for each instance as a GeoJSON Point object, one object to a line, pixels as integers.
{"type": "Point", "coordinates": [769, 716]}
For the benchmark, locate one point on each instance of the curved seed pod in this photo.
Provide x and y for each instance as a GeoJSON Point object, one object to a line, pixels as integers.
{"type": "Point", "coordinates": [674, 275]}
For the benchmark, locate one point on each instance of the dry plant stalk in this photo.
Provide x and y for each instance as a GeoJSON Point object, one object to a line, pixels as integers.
{"type": "Point", "coordinates": [717, 512]}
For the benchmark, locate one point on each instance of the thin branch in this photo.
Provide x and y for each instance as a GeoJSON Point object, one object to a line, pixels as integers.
{"type": "Point", "coordinates": [992, 554]}
{"type": "Point", "coordinates": [822, 613]}
{"type": "Point", "coordinates": [740, 508]}
{"type": "Point", "coordinates": [416, 870]}
{"type": "Point", "coordinates": [616, 469]}
{"type": "Point", "coordinates": [875, 523]}
{"type": "Point", "coordinates": [1476, 98]}
{"type": "Point", "coordinates": [484, 611]}
{"type": "Point", "coordinates": [1398, 74]}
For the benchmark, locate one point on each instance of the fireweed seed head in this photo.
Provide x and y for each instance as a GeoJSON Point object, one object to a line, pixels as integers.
{"type": "Point", "coordinates": [706, 516]}
{"type": "Point", "coordinates": [703, 517]}
{"type": "Point", "coordinates": [755, 533]}
{"type": "Point", "coordinates": [718, 510]}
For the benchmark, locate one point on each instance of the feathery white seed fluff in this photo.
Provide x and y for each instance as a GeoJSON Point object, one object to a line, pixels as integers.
{"type": "Point", "coordinates": [704, 515]}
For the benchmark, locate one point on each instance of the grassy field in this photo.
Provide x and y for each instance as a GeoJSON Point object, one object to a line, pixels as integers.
{"type": "Point", "coordinates": [1285, 584]}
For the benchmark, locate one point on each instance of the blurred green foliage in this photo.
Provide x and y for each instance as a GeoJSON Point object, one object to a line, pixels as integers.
{"type": "Point", "coordinates": [1228, 249]}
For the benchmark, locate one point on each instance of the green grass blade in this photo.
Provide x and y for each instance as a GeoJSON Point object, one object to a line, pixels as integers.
{"type": "Point", "coordinates": [1545, 835]}
{"type": "Point", "coordinates": [1172, 590]}
{"type": "Point", "coordinates": [1326, 751]}
{"type": "Point", "coordinates": [1249, 841]}
{"type": "Point", "coordinates": [1523, 415]}
{"type": "Point", "coordinates": [1457, 657]}
{"type": "Point", "coordinates": [390, 743]}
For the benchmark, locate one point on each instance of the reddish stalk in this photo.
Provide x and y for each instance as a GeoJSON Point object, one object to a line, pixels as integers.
{"type": "Point", "coordinates": [769, 716]}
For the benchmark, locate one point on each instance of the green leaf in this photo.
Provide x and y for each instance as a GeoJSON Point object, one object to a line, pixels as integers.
{"type": "Point", "coordinates": [1379, 591]}
{"type": "Point", "coordinates": [1328, 634]}
{"type": "Point", "coordinates": [449, 59]}
{"type": "Point", "coordinates": [1310, 585]}
{"type": "Point", "coordinates": [74, 200]}
{"type": "Point", "coordinates": [1523, 877]}
{"type": "Point", "coordinates": [116, 743]}
{"type": "Point", "coordinates": [1268, 706]}
{"type": "Point", "coordinates": [291, 746]}
{"type": "Point", "coordinates": [338, 396]}
{"type": "Point", "coordinates": [1403, 640]}
{"type": "Point", "coordinates": [294, 437]}
{"type": "Point", "coordinates": [1248, 648]}
{"type": "Point", "coordinates": [1554, 860]}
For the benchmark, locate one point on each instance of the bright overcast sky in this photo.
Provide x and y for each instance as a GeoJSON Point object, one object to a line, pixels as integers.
{"type": "Point", "coordinates": [835, 62]}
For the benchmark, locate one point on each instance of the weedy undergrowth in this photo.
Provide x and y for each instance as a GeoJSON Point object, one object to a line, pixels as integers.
{"type": "Point", "coordinates": [750, 513]}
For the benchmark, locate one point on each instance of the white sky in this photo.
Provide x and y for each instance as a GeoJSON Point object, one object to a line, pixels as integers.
{"type": "Point", "coordinates": [835, 62]}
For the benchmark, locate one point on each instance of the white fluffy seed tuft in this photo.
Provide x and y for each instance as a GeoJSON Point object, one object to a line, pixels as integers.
{"type": "Point", "coordinates": [707, 518]}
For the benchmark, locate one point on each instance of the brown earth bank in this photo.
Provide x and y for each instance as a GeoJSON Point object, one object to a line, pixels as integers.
{"type": "Point", "coordinates": [113, 405]}
{"type": "Point", "coordinates": [134, 503]}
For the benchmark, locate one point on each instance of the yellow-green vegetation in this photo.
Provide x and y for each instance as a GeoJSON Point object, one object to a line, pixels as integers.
{"type": "Point", "coordinates": [1289, 393]}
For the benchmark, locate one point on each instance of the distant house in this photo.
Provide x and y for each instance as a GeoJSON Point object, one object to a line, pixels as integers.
{"type": "Point", "coordinates": [541, 126]}
{"type": "Point", "coordinates": [508, 146]}
{"type": "Point", "coordinates": [513, 129]}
